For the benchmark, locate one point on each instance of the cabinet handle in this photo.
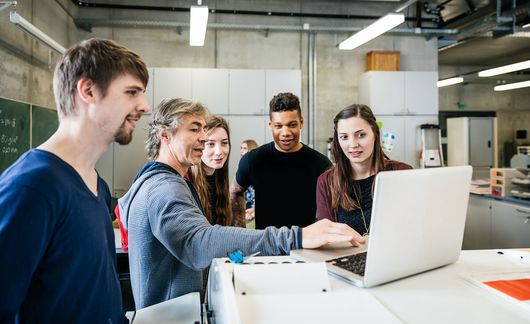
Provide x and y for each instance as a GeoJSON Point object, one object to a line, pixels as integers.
{"type": "Point", "coordinates": [523, 211]}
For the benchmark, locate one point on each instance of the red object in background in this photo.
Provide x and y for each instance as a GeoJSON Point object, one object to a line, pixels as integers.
{"type": "Point", "coordinates": [123, 232]}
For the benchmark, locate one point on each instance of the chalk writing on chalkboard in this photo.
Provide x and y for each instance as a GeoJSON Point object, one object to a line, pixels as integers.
{"type": "Point", "coordinates": [14, 131]}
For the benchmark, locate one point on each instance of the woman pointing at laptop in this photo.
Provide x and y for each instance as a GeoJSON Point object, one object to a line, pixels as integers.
{"type": "Point", "coordinates": [345, 192]}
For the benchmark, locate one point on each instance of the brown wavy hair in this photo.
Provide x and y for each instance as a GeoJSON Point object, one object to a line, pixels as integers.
{"type": "Point", "coordinates": [198, 178]}
{"type": "Point", "coordinates": [341, 176]}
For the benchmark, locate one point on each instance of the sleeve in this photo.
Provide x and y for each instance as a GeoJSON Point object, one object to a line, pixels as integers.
{"type": "Point", "coordinates": [323, 199]}
{"type": "Point", "coordinates": [243, 171]}
{"type": "Point", "coordinates": [184, 231]}
{"type": "Point", "coordinates": [26, 226]}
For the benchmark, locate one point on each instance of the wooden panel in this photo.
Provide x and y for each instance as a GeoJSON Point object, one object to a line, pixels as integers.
{"type": "Point", "coordinates": [382, 61]}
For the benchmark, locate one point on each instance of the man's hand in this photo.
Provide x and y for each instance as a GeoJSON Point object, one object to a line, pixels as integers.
{"type": "Point", "coordinates": [325, 231]}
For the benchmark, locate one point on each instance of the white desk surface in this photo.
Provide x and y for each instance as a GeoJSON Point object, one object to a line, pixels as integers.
{"type": "Point", "coordinates": [439, 296]}
{"type": "Point", "coordinates": [445, 296]}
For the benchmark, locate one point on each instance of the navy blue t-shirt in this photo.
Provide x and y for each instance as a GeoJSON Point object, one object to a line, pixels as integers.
{"type": "Point", "coordinates": [57, 256]}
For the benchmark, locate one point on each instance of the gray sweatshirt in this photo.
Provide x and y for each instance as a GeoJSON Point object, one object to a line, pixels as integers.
{"type": "Point", "coordinates": [170, 240]}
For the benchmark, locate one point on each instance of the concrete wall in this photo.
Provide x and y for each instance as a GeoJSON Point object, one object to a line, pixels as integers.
{"type": "Point", "coordinates": [26, 65]}
{"type": "Point", "coordinates": [337, 71]}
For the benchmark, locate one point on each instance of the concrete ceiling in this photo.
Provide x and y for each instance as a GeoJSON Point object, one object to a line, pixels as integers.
{"type": "Point", "coordinates": [475, 20]}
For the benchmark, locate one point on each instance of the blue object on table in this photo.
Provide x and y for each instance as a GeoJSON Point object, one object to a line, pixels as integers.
{"type": "Point", "coordinates": [236, 256]}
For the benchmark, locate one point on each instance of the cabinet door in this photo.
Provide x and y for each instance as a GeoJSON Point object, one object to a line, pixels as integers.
{"type": "Point", "coordinates": [129, 158]}
{"type": "Point", "coordinates": [383, 92]}
{"type": "Point", "coordinates": [210, 86]}
{"type": "Point", "coordinates": [277, 81]}
{"type": "Point", "coordinates": [242, 128]}
{"type": "Point", "coordinates": [421, 93]}
{"type": "Point", "coordinates": [477, 234]}
{"type": "Point", "coordinates": [413, 143]}
{"type": "Point", "coordinates": [481, 142]}
{"type": "Point", "coordinates": [171, 83]}
{"type": "Point", "coordinates": [510, 225]}
{"type": "Point", "coordinates": [396, 126]}
{"type": "Point", "coordinates": [247, 92]}
{"type": "Point", "coordinates": [149, 95]}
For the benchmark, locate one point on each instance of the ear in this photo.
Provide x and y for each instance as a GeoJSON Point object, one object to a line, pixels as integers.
{"type": "Point", "coordinates": [270, 123]}
{"type": "Point", "coordinates": [301, 122]}
{"type": "Point", "coordinates": [86, 89]}
{"type": "Point", "coordinates": [164, 137]}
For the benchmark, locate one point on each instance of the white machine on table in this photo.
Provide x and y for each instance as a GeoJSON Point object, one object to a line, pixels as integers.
{"type": "Point", "coordinates": [282, 290]}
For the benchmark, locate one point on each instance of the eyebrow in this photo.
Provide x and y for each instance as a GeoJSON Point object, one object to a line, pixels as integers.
{"type": "Point", "coordinates": [135, 88]}
{"type": "Point", "coordinates": [196, 123]}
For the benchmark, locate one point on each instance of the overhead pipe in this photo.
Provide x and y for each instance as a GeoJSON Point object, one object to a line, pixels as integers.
{"type": "Point", "coordinates": [268, 13]}
{"type": "Point", "coordinates": [88, 23]}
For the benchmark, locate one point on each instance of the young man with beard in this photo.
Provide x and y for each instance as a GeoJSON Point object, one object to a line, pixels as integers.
{"type": "Point", "coordinates": [170, 239]}
{"type": "Point", "coordinates": [58, 259]}
{"type": "Point", "coordinates": [283, 173]}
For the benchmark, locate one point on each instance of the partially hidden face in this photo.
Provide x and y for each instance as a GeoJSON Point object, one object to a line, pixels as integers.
{"type": "Point", "coordinates": [286, 127]}
{"type": "Point", "coordinates": [187, 143]}
{"type": "Point", "coordinates": [243, 149]}
{"type": "Point", "coordinates": [124, 104]}
{"type": "Point", "coordinates": [356, 139]}
{"type": "Point", "coordinates": [216, 149]}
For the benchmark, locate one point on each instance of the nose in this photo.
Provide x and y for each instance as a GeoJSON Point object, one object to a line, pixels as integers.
{"type": "Point", "coordinates": [203, 138]}
{"type": "Point", "coordinates": [352, 142]}
{"type": "Point", "coordinates": [144, 106]}
{"type": "Point", "coordinates": [218, 150]}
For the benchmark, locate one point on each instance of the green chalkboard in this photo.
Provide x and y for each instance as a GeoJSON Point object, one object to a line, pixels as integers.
{"type": "Point", "coordinates": [44, 123]}
{"type": "Point", "coordinates": [14, 131]}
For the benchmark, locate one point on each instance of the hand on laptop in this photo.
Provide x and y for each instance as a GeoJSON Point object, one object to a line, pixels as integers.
{"type": "Point", "coordinates": [325, 231]}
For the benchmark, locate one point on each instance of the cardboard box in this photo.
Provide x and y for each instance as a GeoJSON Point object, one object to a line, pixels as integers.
{"type": "Point", "coordinates": [382, 61]}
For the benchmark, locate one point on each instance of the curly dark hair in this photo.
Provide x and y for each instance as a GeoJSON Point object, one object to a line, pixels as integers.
{"type": "Point", "coordinates": [285, 101]}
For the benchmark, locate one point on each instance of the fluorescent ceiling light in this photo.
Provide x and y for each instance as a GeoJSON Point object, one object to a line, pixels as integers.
{"type": "Point", "coordinates": [450, 81]}
{"type": "Point", "coordinates": [512, 86]}
{"type": "Point", "coordinates": [26, 26]}
{"type": "Point", "coordinates": [505, 69]}
{"type": "Point", "coordinates": [198, 21]}
{"type": "Point", "coordinates": [382, 25]}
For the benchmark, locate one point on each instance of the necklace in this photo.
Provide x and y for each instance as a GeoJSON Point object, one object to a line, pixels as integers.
{"type": "Point", "coordinates": [367, 228]}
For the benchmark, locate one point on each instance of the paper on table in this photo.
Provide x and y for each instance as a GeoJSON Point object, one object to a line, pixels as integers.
{"type": "Point", "coordinates": [510, 286]}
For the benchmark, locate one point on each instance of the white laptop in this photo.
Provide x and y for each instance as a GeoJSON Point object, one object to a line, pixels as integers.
{"type": "Point", "coordinates": [417, 224]}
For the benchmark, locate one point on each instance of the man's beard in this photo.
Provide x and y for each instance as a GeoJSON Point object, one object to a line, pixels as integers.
{"type": "Point", "coordinates": [123, 137]}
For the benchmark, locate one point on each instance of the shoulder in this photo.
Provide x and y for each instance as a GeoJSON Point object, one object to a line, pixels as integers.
{"type": "Point", "coordinates": [391, 165]}
{"type": "Point", "coordinates": [323, 178]}
{"type": "Point", "coordinates": [316, 156]}
{"type": "Point", "coordinates": [39, 170]}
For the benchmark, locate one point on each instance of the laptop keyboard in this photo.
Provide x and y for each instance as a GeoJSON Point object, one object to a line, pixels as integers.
{"type": "Point", "coordinates": [354, 263]}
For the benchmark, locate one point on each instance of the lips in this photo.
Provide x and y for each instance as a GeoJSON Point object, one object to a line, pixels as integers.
{"type": "Point", "coordinates": [356, 154]}
{"type": "Point", "coordinates": [132, 120]}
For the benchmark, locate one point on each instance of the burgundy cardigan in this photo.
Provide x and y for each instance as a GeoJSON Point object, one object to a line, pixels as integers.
{"type": "Point", "coordinates": [323, 193]}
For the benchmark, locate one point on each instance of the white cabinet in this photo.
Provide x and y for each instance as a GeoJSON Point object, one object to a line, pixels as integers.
{"type": "Point", "coordinates": [496, 224]}
{"type": "Point", "coordinates": [400, 93]}
{"type": "Point", "coordinates": [510, 225]}
{"type": "Point", "coordinates": [246, 93]}
{"type": "Point", "coordinates": [241, 96]}
{"type": "Point", "coordinates": [277, 81]}
{"type": "Point", "coordinates": [242, 128]}
{"type": "Point", "coordinates": [407, 145]}
{"type": "Point", "coordinates": [210, 86]}
{"type": "Point", "coordinates": [171, 83]}
{"type": "Point", "coordinates": [471, 140]}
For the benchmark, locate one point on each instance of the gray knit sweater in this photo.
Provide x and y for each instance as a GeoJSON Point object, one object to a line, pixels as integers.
{"type": "Point", "coordinates": [170, 240]}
